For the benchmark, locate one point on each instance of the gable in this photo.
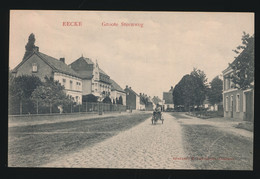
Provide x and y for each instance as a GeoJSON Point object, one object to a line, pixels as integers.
{"type": "Point", "coordinates": [25, 67]}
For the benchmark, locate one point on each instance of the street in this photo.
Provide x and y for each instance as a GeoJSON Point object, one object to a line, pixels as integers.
{"type": "Point", "coordinates": [131, 141]}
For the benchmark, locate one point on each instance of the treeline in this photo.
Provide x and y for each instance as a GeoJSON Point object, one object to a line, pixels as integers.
{"type": "Point", "coordinates": [193, 89]}
{"type": "Point", "coordinates": [28, 94]}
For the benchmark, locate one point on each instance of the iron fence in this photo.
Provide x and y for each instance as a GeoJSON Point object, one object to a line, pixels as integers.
{"type": "Point", "coordinates": [29, 107]}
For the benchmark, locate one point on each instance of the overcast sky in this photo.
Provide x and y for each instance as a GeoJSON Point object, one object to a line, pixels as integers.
{"type": "Point", "coordinates": [150, 59]}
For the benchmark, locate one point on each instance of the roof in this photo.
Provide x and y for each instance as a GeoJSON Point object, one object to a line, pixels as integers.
{"type": "Point", "coordinates": [101, 71]}
{"type": "Point", "coordinates": [130, 89]}
{"type": "Point", "coordinates": [115, 86]}
{"type": "Point", "coordinates": [58, 65]}
{"type": "Point", "coordinates": [156, 100]}
{"type": "Point", "coordinates": [88, 60]}
{"type": "Point", "coordinates": [54, 63]}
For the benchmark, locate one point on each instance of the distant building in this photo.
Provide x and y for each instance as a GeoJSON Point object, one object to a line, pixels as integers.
{"type": "Point", "coordinates": [142, 105]}
{"type": "Point", "coordinates": [116, 92]}
{"type": "Point", "coordinates": [41, 65]}
{"type": "Point", "coordinates": [157, 101]}
{"type": "Point", "coordinates": [150, 105]}
{"type": "Point", "coordinates": [238, 104]}
{"type": "Point", "coordinates": [132, 98]}
{"type": "Point", "coordinates": [168, 99]}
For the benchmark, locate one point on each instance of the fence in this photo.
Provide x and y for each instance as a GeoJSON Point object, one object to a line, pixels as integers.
{"type": "Point", "coordinates": [28, 107]}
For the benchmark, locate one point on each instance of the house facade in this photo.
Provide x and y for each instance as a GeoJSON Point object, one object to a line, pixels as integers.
{"type": "Point", "coordinates": [150, 106]}
{"type": "Point", "coordinates": [41, 65]}
{"type": "Point", "coordinates": [168, 99]}
{"type": "Point", "coordinates": [95, 80]}
{"type": "Point", "coordinates": [132, 99]}
{"type": "Point", "coordinates": [101, 84]}
{"type": "Point", "coordinates": [238, 104]}
{"type": "Point", "coordinates": [117, 92]}
{"type": "Point", "coordinates": [84, 67]}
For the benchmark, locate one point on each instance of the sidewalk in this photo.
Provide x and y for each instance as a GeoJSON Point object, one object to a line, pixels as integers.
{"type": "Point", "coordinates": [61, 118]}
{"type": "Point", "coordinates": [221, 123]}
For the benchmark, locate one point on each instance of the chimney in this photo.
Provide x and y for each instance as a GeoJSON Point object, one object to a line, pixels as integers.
{"type": "Point", "coordinates": [126, 86]}
{"type": "Point", "coordinates": [130, 87]}
{"type": "Point", "coordinates": [36, 48]}
{"type": "Point", "coordinates": [62, 60]}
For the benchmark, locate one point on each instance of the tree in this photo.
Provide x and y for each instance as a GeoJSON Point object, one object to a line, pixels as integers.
{"type": "Point", "coordinates": [107, 100]}
{"type": "Point", "coordinates": [215, 91]}
{"type": "Point", "coordinates": [50, 93]}
{"type": "Point", "coordinates": [243, 65]}
{"type": "Point", "coordinates": [184, 92]}
{"type": "Point", "coordinates": [20, 90]}
{"type": "Point", "coordinates": [23, 86]}
{"type": "Point", "coordinates": [200, 86]}
{"type": "Point", "coordinates": [191, 90]}
{"type": "Point", "coordinates": [89, 98]}
{"type": "Point", "coordinates": [29, 46]}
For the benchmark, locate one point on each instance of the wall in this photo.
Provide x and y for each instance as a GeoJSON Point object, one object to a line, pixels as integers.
{"type": "Point", "coordinates": [86, 87]}
{"type": "Point", "coordinates": [42, 68]}
{"type": "Point", "coordinates": [130, 99]}
{"type": "Point", "coordinates": [237, 115]}
{"type": "Point", "coordinates": [76, 90]}
{"type": "Point", "coordinates": [116, 94]}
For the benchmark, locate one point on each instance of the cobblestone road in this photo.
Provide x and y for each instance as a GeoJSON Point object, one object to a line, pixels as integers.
{"type": "Point", "coordinates": [144, 146]}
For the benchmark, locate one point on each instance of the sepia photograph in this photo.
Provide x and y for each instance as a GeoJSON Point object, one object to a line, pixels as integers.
{"type": "Point", "coordinates": [131, 90]}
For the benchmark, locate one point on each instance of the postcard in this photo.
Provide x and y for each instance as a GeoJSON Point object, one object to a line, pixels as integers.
{"type": "Point", "coordinates": [131, 90]}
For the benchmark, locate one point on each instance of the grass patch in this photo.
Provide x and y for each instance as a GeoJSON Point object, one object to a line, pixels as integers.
{"type": "Point", "coordinates": [206, 114]}
{"type": "Point", "coordinates": [227, 151]}
{"type": "Point", "coordinates": [247, 126]}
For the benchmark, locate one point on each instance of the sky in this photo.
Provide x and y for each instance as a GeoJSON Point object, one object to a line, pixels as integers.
{"type": "Point", "coordinates": [150, 58]}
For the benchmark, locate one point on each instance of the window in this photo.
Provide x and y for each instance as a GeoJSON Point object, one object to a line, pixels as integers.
{"type": "Point", "coordinates": [63, 82]}
{"type": "Point", "coordinates": [226, 103]}
{"type": "Point", "coordinates": [34, 67]}
{"type": "Point", "coordinates": [226, 84]}
{"type": "Point", "coordinates": [231, 103]}
{"type": "Point", "coordinates": [71, 84]}
{"type": "Point", "coordinates": [238, 103]}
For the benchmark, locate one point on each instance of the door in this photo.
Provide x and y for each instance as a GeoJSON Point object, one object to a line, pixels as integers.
{"type": "Point", "coordinates": [249, 106]}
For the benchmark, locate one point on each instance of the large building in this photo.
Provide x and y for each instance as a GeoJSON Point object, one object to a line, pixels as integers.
{"type": "Point", "coordinates": [41, 65]}
{"type": "Point", "coordinates": [95, 80]}
{"type": "Point", "coordinates": [237, 103]}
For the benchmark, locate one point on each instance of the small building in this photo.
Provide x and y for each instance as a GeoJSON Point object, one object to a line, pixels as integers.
{"type": "Point", "coordinates": [117, 92]}
{"type": "Point", "coordinates": [168, 99]}
{"type": "Point", "coordinates": [150, 106]}
{"type": "Point", "coordinates": [142, 106]}
{"type": "Point", "coordinates": [41, 65]}
{"type": "Point", "coordinates": [132, 98]}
